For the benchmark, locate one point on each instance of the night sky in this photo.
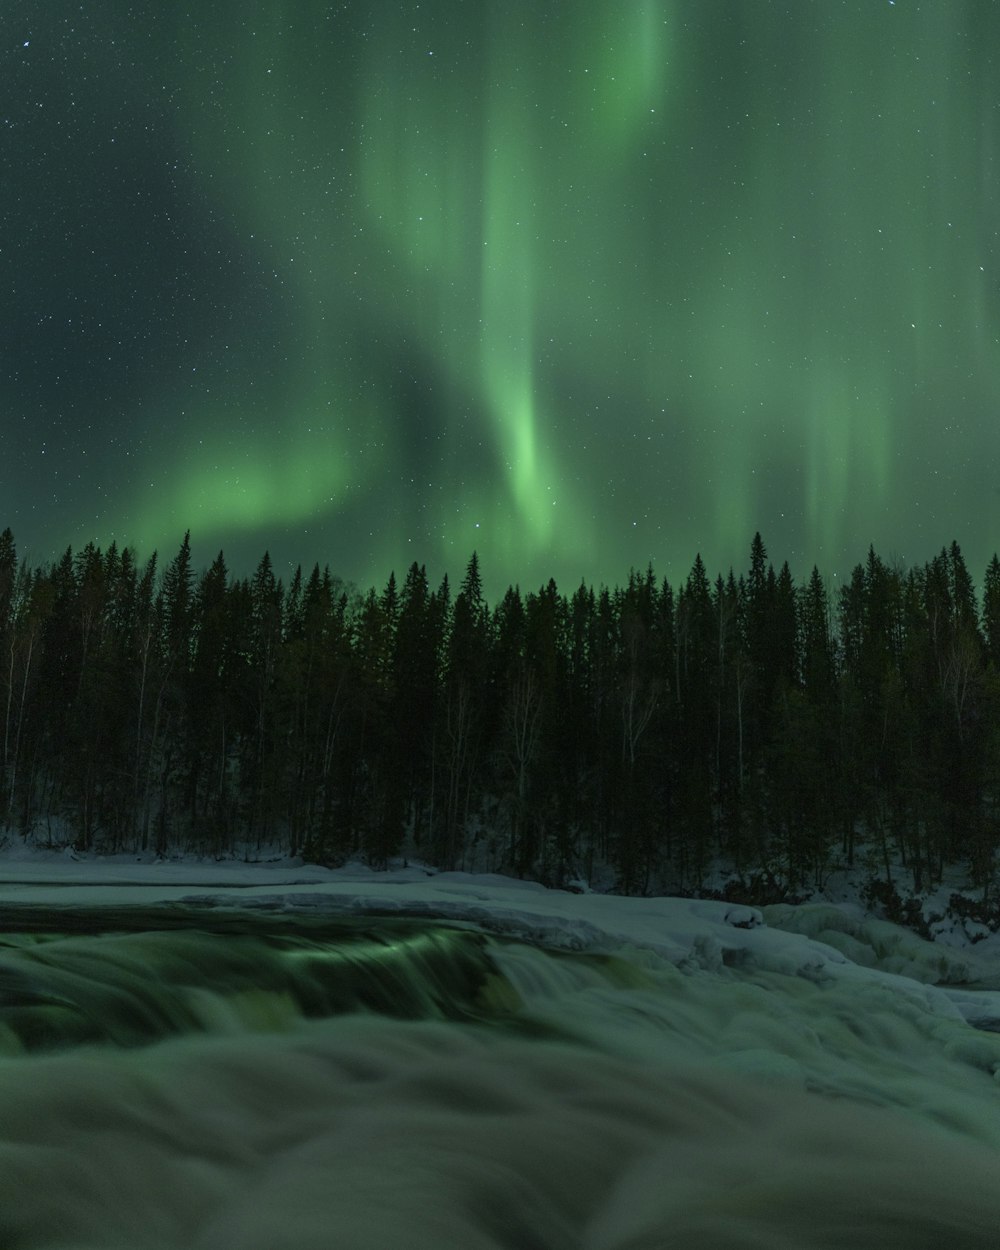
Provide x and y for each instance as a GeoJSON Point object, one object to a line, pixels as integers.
{"type": "Point", "coordinates": [581, 284]}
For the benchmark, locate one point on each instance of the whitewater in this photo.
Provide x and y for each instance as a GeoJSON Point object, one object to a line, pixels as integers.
{"type": "Point", "coordinates": [286, 1059]}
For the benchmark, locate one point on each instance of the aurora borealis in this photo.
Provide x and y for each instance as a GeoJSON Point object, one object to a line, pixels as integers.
{"type": "Point", "coordinates": [578, 285]}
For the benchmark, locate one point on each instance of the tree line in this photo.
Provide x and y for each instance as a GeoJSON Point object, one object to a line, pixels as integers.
{"type": "Point", "coordinates": [635, 734]}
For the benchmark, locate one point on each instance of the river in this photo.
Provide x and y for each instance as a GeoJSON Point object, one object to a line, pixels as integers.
{"type": "Point", "coordinates": [182, 1075]}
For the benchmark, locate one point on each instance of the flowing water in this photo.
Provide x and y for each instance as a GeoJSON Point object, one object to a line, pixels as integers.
{"type": "Point", "coordinates": [188, 1078]}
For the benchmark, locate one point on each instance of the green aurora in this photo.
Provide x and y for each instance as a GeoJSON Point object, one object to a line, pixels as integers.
{"type": "Point", "coordinates": [582, 286]}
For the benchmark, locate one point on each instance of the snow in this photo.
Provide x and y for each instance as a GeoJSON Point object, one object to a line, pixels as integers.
{"type": "Point", "coordinates": [818, 941]}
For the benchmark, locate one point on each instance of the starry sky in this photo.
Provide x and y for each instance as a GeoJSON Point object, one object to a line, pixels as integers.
{"type": "Point", "coordinates": [581, 286]}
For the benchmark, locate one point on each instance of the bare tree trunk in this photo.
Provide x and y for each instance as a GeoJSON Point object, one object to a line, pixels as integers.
{"type": "Point", "coordinates": [32, 632]}
{"type": "Point", "coordinates": [638, 706]}
{"type": "Point", "coordinates": [742, 678]}
{"type": "Point", "coordinates": [458, 727]}
{"type": "Point", "coordinates": [521, 722]}
{"type": "Point", "coordinates": [140, 714]}
{"type": "Point", "coordinates": [10, 699]}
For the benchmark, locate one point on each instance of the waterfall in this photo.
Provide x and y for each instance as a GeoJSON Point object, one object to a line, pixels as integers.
{"type": "Point", "coordinates": [281, 1080]}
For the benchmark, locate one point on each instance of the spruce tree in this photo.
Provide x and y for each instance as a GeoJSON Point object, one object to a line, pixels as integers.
{"type": "Point", "coordinates": [991, 611]}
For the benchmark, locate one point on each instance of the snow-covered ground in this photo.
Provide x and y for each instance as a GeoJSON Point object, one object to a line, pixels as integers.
{"type": "Point", "coordinates": [960, 951]}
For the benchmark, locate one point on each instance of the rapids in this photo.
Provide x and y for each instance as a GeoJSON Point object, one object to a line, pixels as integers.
{"type": "Point", "coordinates": [182, 1077]}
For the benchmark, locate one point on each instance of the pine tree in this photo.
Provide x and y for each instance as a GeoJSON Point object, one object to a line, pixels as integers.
{"type": "Point", "coordinates": [963, 593]}
{"type": "Point", "coordinates": [8, 577]}
{"type": "Point", "coordinates": [470, 623]}
{"type": "Point", "coordinates": [412, 716]}
{"type": "Point", "coordinates": [209, 730]}
{"type": "Point", "coordinates": [696, 666]}
{"type": "Point", "coordinates": [818, 656]}
{"type": "Point", "coordinates": [991, 611]}
{"type": "Point", "coordinates": [148, 696]}
{"type": "Point", "coordinates": [8, 574]}
{"type": "Point", "coordinates": [178, 587]}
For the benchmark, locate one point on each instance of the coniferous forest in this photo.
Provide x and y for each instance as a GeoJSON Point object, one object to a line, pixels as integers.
{"type": "Point", "coordinates": [637, 734]}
